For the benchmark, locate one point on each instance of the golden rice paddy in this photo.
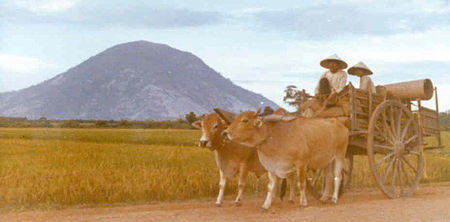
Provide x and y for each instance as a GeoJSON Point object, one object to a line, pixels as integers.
{"type": "Point", "coordinates": [54, 168]}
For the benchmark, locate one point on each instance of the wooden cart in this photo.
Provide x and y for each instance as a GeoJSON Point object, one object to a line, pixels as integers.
{"type": "Point", "coordinates": [391, 133]}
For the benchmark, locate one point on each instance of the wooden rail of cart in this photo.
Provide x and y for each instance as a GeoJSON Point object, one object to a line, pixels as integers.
{"type": "Point", "coordinates": [391, 132]}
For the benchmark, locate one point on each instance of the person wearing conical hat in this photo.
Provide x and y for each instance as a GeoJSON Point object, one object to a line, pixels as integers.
{"type": "Point", "coordinates": [331, 82]}
{"type": "Point", "coordinates": [365, 82]}
{"type": "Point", "coordinates": [336, 76]}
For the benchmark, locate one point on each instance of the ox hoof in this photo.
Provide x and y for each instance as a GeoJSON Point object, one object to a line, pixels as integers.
{"type": "Point", "coordinates": [218, 204]}
{"type": "Point", "coordinates": [237, 204]}
{"type": "Point", "coordinates": [334, 200]}
{"type": "Point", "coordinates": [291, 201]}
{"type": "Point", "coordinates": [324, 199]}
{"type": "Point", "coordinates": [263, 210]}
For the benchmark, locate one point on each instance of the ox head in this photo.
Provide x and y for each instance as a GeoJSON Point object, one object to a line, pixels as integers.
{"type": "Point", "coordinates": [212, 126]}
{"type": "Point", "coordinates": [250, 128]}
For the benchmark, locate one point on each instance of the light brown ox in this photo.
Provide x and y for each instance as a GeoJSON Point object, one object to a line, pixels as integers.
{"type": "Point", "coordinates": [231, 158]}
{"type": "Point", "coordinates": [289, 144]}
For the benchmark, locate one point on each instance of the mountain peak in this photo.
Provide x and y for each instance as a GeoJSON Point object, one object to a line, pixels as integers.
{"type": "Point", "coordinates": [134, 80]}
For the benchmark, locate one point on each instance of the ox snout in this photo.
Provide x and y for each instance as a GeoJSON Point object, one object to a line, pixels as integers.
{"type": "Point", "coordinates": [203, 143]}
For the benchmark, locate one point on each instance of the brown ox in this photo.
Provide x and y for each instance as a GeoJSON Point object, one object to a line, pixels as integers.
{"type": "Point", "coordinates": [288, 144]}
{"type": "Point", "coordinates": [232, 159]}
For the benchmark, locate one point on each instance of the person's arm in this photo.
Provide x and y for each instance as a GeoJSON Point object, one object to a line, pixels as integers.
{"type": "Point", "coordinates": [316, 91]}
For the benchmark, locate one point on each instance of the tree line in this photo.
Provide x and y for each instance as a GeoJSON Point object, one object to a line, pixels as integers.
{"type": "Point", "coordinates": [43, 122]}
{"type": "Point", "coordinates": [180, 123]}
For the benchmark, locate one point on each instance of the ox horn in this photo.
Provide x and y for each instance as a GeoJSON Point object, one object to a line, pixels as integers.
{"type": "Point", "coordinates": [273, 118]}
{"type": "Point", "coordinates": [258, 111]}
{"type": "Point", "coordinates": [225, 115]}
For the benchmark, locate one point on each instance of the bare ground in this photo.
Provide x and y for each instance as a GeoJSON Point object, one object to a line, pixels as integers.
{"type": "Point", "coordinates": [429, 203]}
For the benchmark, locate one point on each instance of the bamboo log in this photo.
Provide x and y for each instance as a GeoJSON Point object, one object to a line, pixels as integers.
{"type": "Point", "coordinates": [414, 90]}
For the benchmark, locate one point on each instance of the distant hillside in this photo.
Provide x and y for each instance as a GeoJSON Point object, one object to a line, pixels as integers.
{"type": "Point", "coordinates": [136, 80]}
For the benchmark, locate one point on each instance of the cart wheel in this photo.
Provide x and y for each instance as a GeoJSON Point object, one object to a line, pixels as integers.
{"type": "Point", "coordinates": [315, 180]}
{"type": "Point", "coordinates": [394, 149]}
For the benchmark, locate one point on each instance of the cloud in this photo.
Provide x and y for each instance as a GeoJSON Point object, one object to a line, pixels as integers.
{"type": "Point", "coordinates": [43, 6]}
{"type": "Point", "coordinates": [347, 20]}
{"type": "Point", "coordinates": [23, 64]}
{"type": "Point", "coordinates": [98, 15]}
{"type": "Point", "coordinates": [18, 72]}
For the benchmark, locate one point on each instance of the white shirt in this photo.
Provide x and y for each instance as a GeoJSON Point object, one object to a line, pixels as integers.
{"type": "Point", "coordinates": [366, 83]}
{"type": "Point", "coordinates": [337, 80]}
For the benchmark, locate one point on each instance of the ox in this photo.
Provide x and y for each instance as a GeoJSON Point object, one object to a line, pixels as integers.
{"type": "Point", "coordinates": [231, 158]}
{"type": "Point", "coordinates": [288, 144]}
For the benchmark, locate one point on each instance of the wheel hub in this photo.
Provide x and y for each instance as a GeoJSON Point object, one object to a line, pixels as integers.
{"type": "Point", "coordinates": [399, 149]}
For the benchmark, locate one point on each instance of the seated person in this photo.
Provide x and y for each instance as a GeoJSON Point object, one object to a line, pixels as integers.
{"type": "Point", "coordinates": [335, 74]}
{"type": "Point", "coordinates": [331, 82]}
{"type": "Point", "coordinates": [361, 70]}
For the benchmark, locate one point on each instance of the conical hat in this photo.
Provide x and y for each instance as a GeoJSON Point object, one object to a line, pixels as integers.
{"type": "Point", "coordinates": [359, 66]}
{"type": "Point", "coordinates": [335, 58]}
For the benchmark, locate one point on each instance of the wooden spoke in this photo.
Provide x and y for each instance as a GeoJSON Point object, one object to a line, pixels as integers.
{"type": "Point", "coordinates": [400, 175]}
{"type": "Point", "coordinates": [394, 174]}
{"type": "Point", "coordinates": [392, 123]}
{"type": "Point", "coordinates": [406, 173]}
{"type": "Point", "coordinates": [386, 128]}
{"type": "Point", "coordinates": [399, 122]}
{"type": "Point", "coordinates": [409, 164]}
{"type": "Point", "coordinates": [384, 146]}
{"type": "Point", "coordinates": [384, 158]}
{"type": "Point", "coordinates": [410, 139]}
{"type": "Point", "coordinates": [405, 129]}
{"type": "Point", "coordinates": [388, 169]}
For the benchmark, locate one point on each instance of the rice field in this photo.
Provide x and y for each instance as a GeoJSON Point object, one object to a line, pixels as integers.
{"type": "Point", "coordinates": [57, 168]}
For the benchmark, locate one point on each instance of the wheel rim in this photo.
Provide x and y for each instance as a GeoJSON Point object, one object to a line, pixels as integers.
{"type": "Point", "coordinates": [394, 149]}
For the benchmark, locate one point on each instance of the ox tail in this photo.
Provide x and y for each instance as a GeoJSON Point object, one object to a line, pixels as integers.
{"type": "Point", "coordinates": [283, 189]}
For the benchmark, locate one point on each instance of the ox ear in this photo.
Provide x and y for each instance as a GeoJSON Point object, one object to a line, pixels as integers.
{"type": "Point", "coordinates": [225, 115]}
{"type": "Point", "coordinates": [197, 124]}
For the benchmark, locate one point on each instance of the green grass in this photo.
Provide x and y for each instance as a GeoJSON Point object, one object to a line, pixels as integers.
{"type": "Point", "coordinates": [52, 168]}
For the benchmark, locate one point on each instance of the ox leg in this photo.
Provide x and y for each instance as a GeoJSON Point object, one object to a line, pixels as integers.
{"type": "Point", "coordinates": [328, 181]}
{"type": "Point", "coordinates": [273, 180]}
{"type": "Point", "coordinates": [337, 179]}
{"type": "Point", "coordinates": [291, 182]}
{"type": "Point", "coordinates": [302, 186]}
{"type": "Point", "coordinates": [242, 179]}
{"type": "Point", "coordinates": [222, 183]}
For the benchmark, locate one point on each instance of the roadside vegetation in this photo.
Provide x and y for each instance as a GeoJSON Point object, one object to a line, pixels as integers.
{"type": "Point", "coordinates": [54, 168]}
{"type": "Point", "coordinates": [13, 122]}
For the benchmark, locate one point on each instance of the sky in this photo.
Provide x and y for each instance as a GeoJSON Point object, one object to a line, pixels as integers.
{"type": "Point", "coordinates": [262, 46]}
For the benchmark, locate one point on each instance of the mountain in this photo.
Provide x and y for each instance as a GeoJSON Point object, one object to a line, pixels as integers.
{"type": "Point", "coordinates": [136, 80]}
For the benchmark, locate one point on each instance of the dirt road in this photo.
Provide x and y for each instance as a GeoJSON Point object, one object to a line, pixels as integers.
{"type": "Point", "coordinates": [429, 203]}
